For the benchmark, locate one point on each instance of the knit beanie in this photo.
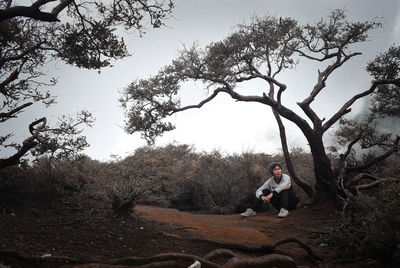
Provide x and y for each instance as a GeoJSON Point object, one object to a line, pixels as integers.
{"type": "Point", "coordinates": [272, 165]}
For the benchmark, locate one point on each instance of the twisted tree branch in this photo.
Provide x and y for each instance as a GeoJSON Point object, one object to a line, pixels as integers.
{"type": "Point", "coordinates": [27, 144]}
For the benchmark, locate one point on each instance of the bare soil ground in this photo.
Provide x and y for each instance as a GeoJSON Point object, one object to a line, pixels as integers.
{"type": "Point", "coordinates": [37, 230]}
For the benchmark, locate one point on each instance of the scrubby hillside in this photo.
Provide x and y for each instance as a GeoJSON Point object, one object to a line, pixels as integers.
{"type": "Point", "coordinates": [83, 208]}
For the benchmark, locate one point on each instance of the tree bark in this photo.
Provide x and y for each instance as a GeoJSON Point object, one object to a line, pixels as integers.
{"type": "Point", "coordinates": [28, 144]}
{"type": "Point", "coordinates": [325, 183]}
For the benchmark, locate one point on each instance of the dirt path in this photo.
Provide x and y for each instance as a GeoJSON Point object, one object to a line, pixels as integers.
{"type": "Point", "coordinates": [231, 228]}
{"type": "Point", "coordinates": [262, 228]}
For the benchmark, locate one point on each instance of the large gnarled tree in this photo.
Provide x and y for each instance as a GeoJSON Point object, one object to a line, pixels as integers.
{"type": "Point", "coordinates": [262, 50]}
{"type": "Point", "coordinates": [79, 32]}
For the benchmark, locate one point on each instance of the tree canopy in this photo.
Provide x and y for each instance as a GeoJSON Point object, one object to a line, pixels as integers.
{"type": "Point", "coordinates": [262, 50]}
{"type": "Point", "coordinates": [79, 32]}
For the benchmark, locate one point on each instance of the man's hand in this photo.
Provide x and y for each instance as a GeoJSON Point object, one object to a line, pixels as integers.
{"type": "Point", "coordinates": [287, 186]}
{"type": "Point", "coordinates": [267, 198]}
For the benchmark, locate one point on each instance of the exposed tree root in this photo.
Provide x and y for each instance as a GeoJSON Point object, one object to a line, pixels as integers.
{"type": "Point", "coordinates": [187, 227]}
{"type": "Point", "coordinates": [268, 248]}
{"type": "Point", "coordinates": [271, 259]}
{"type": "Point", "coordinates": [220, 253]}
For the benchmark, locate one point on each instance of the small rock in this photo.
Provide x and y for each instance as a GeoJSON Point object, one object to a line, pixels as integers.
{"type": "Point", "coordinates": [323, 245]}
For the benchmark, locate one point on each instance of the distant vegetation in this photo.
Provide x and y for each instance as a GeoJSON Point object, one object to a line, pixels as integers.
{"type": "Point", "coordinates": [180, 177]}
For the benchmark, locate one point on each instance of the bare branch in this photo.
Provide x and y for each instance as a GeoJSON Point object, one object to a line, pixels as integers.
{"type": "Point", "coordinates": [29, 12]}
{"type": "Point", "coordinates": [267, 78]}
{"type": "Point", "coordinates": [28, 144]}
{"type": "Point", "coordinates": [212, 96]}
{"type": "Point", "coordinates": [326, 57]}
{"type": "Point", "coordinates": [376, 180]}
{"type": "Point", "coordinates": [344, 156]}
{"type": "Point", "coordinates": [346, 107]}
{"type": "Point", "coordinates": [376, 159]}
{"type": "Point", "coordinates": [40, 3]}
{"type": "Point", "coordinates": [10, 114]}
{"type": "Point", "coordinates": [322, 77]}
{"type": "Point", "coordinates": [12, 77]}
{"type": "Point", "coordinates": [63, 4]}
{"type": "Point", "coordinates": [375, 183]}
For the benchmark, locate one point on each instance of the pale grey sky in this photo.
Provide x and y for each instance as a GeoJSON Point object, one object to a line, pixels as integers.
{"type": "Point", "coordinates": [224, 125]}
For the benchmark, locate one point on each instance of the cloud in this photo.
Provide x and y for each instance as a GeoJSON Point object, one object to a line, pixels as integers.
{"type": "Point", "coordinates": [396, 28]}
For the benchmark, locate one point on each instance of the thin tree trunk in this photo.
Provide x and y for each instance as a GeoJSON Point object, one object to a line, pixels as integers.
{"type": "Point", "coordinates": [301, 183]}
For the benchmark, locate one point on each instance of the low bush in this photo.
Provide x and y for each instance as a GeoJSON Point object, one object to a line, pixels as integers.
{"type": "Point", "coordinates": [122, 200]}
{"type": "Point", "coordinates": [370, 226]}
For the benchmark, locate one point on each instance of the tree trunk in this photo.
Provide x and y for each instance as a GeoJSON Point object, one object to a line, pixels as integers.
{"type": "Point", "coordinates": [325, 182]}
{"type": "Point", "coordinates": [301, 183]}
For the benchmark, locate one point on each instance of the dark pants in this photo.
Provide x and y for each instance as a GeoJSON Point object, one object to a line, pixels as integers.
{"type": "Point", "coordinates": [286, 199]}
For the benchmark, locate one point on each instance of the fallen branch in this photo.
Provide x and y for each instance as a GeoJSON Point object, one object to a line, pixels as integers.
{"type": "Point", "coordinates": [376, 180]}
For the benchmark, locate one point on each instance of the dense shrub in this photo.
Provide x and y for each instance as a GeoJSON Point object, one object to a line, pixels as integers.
{"type": "Point", "coordinates": [370, 225]}
{"type": "Point", "coordinates": [20, 186]}
{"type": "Point", "coordinates": [122, 199]}
{"type": "Point", "coordinates": [171, 176]}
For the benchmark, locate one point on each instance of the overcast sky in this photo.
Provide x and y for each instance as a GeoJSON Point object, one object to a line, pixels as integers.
{"type": "Point", "coordinates": [224, 125]}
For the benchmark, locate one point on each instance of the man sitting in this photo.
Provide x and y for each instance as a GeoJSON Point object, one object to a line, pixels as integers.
{"type": "Point", "coordinates": [277, 191]}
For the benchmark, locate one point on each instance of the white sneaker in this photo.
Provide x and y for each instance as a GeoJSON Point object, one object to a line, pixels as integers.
{"type": "Point", "coordinates": [249, 212]}
{"type": "Point", "coordinates": [283, 213]}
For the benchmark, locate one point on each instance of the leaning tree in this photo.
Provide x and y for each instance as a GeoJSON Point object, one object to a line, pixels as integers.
{"type": "Point", "coordinates": [79, 32]}
{"type": "Point", "coordinates": [262, 50]}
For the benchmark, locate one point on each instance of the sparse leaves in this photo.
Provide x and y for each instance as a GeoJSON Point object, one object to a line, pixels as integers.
{"type": "Point", "coordinates": [386, 66]}
{"type": "Point", "coordinates": [90, 47]}
{"type": "Point", "coordinates": [148, 102]}
{"type": "Point", "coordinates": [335, 32]}
{"type": "Point", "coordinates": [65, 140]}
{"type": "Point", "coordinates": [81, 33]}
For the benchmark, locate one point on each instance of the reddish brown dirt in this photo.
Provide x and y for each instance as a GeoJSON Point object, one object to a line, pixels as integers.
{"type": "Point", "coordinates": [232, 228]}
{"type": "Point", "coordinates": [37, 225]}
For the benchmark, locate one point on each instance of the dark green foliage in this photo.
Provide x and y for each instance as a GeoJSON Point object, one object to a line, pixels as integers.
{"type": "Point", "coordinates": [91, 48]}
